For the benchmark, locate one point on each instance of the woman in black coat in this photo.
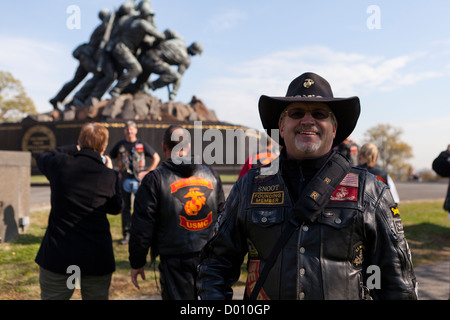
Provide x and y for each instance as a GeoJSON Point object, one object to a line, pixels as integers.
{"type": "Point", "coordinates": [78, 242]}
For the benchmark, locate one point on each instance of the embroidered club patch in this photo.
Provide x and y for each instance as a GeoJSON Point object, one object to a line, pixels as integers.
{"type": "Point", "coordinates": [358, 255]}
{"type": "Point", "coordinates": [196, 225]}
{"type": "Point", "coordinates": [398, 225]}
{"type": "Point", "coordinates": [314, 195]}
{"type": "Point", "coordinates": [397, 221]}
{"type": "Point", "coordinates": [193, 192]}
{"type": "Point", "coordinates": [270, 198]}
{"type": "Point", "coordinates": [343, 193]}
{"type": "Point", "coordinates": [395, 212]}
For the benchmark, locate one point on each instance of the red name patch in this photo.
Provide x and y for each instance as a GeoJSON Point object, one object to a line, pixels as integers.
{"type": "Point", "coordinates": [196, 225]}
{"type": "Point", "coordinates": [343, 193]}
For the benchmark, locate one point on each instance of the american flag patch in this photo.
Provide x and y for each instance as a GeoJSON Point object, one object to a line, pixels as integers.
{"type": "Point", "coordinates": [350, 180]}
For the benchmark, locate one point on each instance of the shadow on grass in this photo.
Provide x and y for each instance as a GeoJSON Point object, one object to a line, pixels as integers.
{"type": "Point", "coordinates": [429, 243]}
{"type": "Point", "coordinates": [428, 235]}
{"type": "Point", "coordinates": [27, 239]}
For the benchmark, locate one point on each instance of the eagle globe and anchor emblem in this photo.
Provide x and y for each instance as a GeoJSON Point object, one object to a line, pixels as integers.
{"type": "Point", "coordinates": [193, 192]}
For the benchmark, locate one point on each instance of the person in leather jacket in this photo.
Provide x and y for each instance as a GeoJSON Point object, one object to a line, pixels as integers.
{"type": "Point", "coordinates": [175, 210]}
{"type": "Point", "coordinates": [341, 229]}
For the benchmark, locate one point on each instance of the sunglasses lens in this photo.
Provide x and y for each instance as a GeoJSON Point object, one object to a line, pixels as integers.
{"type": "Point", "coordinates": [318, 114]}
{"type": "Point", "coordinates": [296, 113]}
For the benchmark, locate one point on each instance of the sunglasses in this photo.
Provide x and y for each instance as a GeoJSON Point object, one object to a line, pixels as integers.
{"type": "Point", "coordinates": [318, 114]}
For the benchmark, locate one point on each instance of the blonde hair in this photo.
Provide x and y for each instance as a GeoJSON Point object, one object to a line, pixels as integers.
{"type": "Point", "coordinates": [93, 136]}
{"type": "Point", "coordinates": [369, 152]}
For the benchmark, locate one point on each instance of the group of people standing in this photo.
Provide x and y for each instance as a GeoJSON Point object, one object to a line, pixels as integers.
{"type": "Point", "coordinates": [78, 230]}
{"type": "Point", "coordinates": [127, 46]}
{"type": "Point", "coordinates": [311, 226]}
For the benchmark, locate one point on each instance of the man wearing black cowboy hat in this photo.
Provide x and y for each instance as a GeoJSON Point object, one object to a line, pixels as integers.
{"type": "Point", "coordinates": [313, 227]}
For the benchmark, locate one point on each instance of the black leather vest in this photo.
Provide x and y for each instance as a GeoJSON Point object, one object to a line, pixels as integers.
{"type": "Point", "coordinates": [188, 211]}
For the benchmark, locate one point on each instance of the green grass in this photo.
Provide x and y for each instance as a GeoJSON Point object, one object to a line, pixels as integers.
{"type": "Point", "coordinates": [228, 178]}
{"type": "Point", "coordinates": [427, 230]}
{"type": "Point", "coordinates": [426, 227]}
{"type": "Point", "coordinates": [40, 179]}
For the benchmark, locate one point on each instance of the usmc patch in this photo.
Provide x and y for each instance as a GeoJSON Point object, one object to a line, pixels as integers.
{"type": "Point", "coordinates": [193, 192]}
{"type": "Point", "coordinates": [347, 189]}
{"type": "Point", "coordinates": [343, 193]}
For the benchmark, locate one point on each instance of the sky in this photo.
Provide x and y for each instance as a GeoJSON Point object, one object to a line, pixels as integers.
{"type": "Point", "coordinates": [393, 55]}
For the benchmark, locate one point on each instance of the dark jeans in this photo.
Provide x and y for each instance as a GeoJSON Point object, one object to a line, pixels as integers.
{"type": "Point", "coordinates": [54, 286]}
{"type": "Point", "coordinates": [126, 209]}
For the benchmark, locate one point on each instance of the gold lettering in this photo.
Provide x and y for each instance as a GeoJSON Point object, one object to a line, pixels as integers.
{"type": "Point", "coordinates": [276, 197]}
{"type": "Point", "coordinates": [274, 187]}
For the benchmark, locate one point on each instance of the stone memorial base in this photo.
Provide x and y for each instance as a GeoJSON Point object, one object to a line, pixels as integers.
{"type": "Point", "coordinates": [14, 193]}
{"type": "Point", "coordinates": [226, 146]}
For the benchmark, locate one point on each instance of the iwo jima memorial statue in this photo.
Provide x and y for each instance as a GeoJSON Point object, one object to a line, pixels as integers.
{"type": "Point", "coordinates": [122, 53]}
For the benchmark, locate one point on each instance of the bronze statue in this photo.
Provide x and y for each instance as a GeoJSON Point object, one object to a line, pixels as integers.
{"type": "Point", "coordinates": [127, 46]}
{"type": "Point", "coordinates": [160, 59]}
{"type": "Point", "coordinates": [86, 53]}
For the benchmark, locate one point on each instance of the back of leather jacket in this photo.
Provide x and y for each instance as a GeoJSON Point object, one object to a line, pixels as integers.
{"type": "Point", "coordinates": [176, 208]}
{"type": "Point", "coordinates": [357, 243]}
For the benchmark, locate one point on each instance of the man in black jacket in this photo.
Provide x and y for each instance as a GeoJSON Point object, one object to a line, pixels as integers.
{"type": "Point", "coordinates": [83, 191]}
{"type": "Point", "coordinates": [175, 210]}
{"type": "Point", "coordinates": [441, 165]}
{"type": "Point", "coordinates": [131, 154]}
{"type": "Point", "coordinates": [313, 227]}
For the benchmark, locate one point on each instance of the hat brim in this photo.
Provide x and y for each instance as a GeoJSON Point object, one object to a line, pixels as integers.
{"type": "Point", "coordinates": [346, 111]}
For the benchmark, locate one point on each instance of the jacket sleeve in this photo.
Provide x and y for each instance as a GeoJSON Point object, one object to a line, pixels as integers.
{"type": "Point", "coordinates": [143, 220]}
{"type": "Point", "coordinates": [223, 255]}
{"type": "Point", "coordinates": [46, 159]}
{"type": "Point", "coordinates": [390, 252]}
{"type": "Point", "coordinates": [114, 204]}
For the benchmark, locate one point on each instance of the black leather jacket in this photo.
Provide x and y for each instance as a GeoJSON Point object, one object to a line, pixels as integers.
{"type": "Point", "coordinates": [441, 165]}
{"type": "Point", "coordinates": [175, 210]}
{"type": "Point", "coordinates": [328, 259]}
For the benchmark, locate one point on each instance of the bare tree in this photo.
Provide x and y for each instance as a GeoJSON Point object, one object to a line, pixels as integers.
{"type": "Point", "coordinates": [14, 102]}
{"type": "Point", "coordinates": [393, 152]}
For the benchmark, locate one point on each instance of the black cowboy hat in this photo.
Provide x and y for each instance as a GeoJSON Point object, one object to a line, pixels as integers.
{"type": "Point", "coordinates": [310, 87]}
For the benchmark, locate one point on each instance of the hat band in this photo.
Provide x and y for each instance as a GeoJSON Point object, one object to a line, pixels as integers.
{"type": "Point", "coordinates": [307, 96]}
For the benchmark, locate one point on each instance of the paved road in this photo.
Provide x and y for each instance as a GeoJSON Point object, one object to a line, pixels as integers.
{"type": "Point", "coordinates": [434, 279]}
{"type": "Point", "coordinates": [408, 191]}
